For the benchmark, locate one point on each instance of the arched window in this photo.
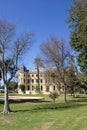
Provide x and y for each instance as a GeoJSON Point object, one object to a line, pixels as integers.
{"type": "Point", "coordinates": [53, 87]}
{"type": "Point", "coordinates": [41, 81]}
{"type": "Point", "coordinates": [47, 88]}
{"type": "Point", "coordinates": [32, 87]}
{"type": "Point", "coordinates": [28, 87]}
{"type": "Point", "coordinates": [28, 80]}
{"type": "Point", "coordinates": [41, 88]}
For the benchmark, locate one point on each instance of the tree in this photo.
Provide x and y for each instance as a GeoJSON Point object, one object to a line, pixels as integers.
{"type": "Point", "coordinates": [38, 63]}
{"type": "Point", "coordinates": [78, 36]}
{"type": "Point", "coordinates": [55, 55]}
{"type": "Point", "coordinates": [10, 53]}
{"type": "Point", "coordinates": [13, 85]}
{"type": "Point", "coordinates": [53, 95]}
{"type": "Point", "coordinates": [51, 78]}
{"type": "Point", "coordinates": [83, 82]}
{"type": "Point", "coordinates": [72, 77]}
{"type": "Point", "coordinates": [22, 87]}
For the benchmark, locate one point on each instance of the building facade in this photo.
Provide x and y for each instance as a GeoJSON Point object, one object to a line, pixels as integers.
{"type": "Point", "coordinates": [30, 80]}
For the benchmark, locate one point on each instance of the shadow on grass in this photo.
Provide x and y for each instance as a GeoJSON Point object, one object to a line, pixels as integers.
{"type": "Point", "coordinates": [82, 99]}
{"type": "Point", "coordinates": [42, 105]}
{"type": "Point", "coordinates": [23, 101]}
{"type": "Point", "coordinates": [50, 107]}
{"type": "Point", "coordinates": [57, 106]}
{"type": "Point", "coordinates": [1, 102]}
{"type": "Point", "coordinates": [28, 100]}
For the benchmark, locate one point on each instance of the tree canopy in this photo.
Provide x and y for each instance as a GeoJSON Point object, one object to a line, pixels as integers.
{"type": "Point", "coordinates": [78, 36]}
{"type": "Point", "coordinates": [10, 52]}
{"type": "Point", "coordinates": [56, 56]}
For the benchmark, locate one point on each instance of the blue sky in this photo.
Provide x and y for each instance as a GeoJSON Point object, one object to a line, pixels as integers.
{"type": "Point", "coordinates": [43, 17]}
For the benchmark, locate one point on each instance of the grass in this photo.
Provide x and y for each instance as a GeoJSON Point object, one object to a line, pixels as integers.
{"type": "Point", "coordinates": [45, 115]}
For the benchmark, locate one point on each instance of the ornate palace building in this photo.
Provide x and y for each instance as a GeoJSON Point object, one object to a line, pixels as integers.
{"type": "Point", "coordinates": [30, 80]}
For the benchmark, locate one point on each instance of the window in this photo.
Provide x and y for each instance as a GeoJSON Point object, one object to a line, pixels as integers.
{"type": "Point", "coordinates": [32, 80]}
{"type": "Point", "coordinates": [28, 87]}
{"type": "Point", "coordinates": [47, 88]}
{"type": "Point", "coordinates": [32, 87]}
{"type": "Point", "coordinates": [41, 88]}
{"type": "Point", "coordinates": [28, 75]}
{"type": "Point", "coordinates": [24, 80]}
{"type": "Point", "coordinates": [32, 75]}
{"type": "Point", "coordinates": [36, 80]}
{"type": "Point", "coordinates": [53, 87]}
{"type": "Point", "coordinates": [41, 81]}
{"type": "Point", "coordinates": [28, 80]}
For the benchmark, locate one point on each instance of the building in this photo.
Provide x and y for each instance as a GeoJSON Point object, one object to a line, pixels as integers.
{"type": "Point", "coordinates": [30, 80]}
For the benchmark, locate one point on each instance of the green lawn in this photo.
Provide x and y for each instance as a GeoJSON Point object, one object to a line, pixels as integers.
{"type": "Point", "coordinates": [44, 115]}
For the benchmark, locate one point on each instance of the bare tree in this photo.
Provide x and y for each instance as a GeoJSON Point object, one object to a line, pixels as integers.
{"type": "Point", "coordinates": [56, 55]}
{"type": "Point", "coordinates": [10, 53]}
{"type": "Point", "coordinates": [51, 76]}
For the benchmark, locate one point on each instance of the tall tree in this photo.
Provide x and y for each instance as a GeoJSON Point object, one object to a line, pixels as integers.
{"type": "Point", "coordinates": [78, 36]}
{"type": "Point", "coordinates": [83, 82]}
{"type": "Point", "coordinates": [56, 55]}
{"type": "Point", "coordinates": [72, 77]}
{"type": "Point", "coordinates": [10, 53]}
{"type": "Point", "coordinates": [38, 63]}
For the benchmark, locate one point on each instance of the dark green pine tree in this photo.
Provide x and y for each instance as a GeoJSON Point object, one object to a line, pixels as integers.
{"type": "Point", "coordinates": [72, 81]}
{"type": "Point", "coordinates": [72, 77]}
{"type": "Point", "coordinates": [78, 36]}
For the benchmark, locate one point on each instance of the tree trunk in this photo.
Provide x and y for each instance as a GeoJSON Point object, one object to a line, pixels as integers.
{"type": "Point", "coordinates": [6, 100]}
{"type": "Point", "coordinates": [38, 79]}
{"type": "Point", "coordinates": [65, 100]}
{"type": "Point", "coordinates": [74, 93]}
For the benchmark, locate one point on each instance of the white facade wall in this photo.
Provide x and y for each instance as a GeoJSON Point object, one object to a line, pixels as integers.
{"type": "Point", "coordinates": [29, 79]}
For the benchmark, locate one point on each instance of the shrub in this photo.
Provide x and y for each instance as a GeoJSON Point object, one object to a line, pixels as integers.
{"type": "Point", "coordinates": [22, 87]}
{"type": "Point", "coordinates": [53, 95]}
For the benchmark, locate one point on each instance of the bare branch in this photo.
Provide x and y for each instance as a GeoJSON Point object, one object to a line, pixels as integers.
{"type": "Point", "coordinates": [55, 53]}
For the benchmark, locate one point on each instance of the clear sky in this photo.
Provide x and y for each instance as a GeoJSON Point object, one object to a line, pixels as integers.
{"type": "Point", "coordinates": [43, 17]}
